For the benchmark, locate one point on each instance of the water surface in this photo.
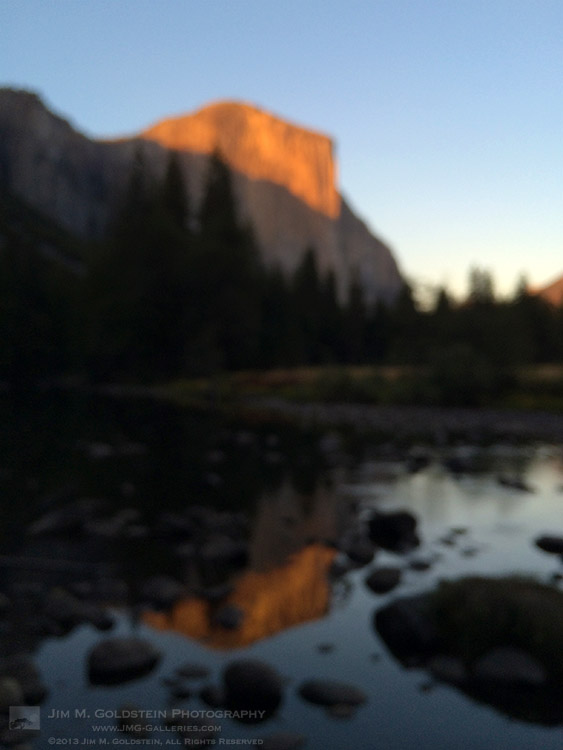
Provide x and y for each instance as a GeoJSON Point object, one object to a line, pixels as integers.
{"type": "Point", "coordinates": [295, 492]}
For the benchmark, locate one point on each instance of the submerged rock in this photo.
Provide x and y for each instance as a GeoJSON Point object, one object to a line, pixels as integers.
{"type": "Point", "coordinates": [252, 685]}
{"type": "Point", "coordinates": [174, 526]}
{"type": "Point", "coordinates": [418, 460]}
{"type": "Point", "coordinates": [358, 549]}
{"type": "Point", "coordinates": [420, 564]}
{"type": "Point", "coordinates": [64, 611]}
{"type": "Point", "coordinates": [340, 565]}
{"type": "Point", "coordinates": [395, 531]}
{"type": "Point", "coordinates": [551, 544]}
{"type": "Point", "coordinates": [514, 483]}
{"type": "Point", "coordinates": [162, 592]}
{"type": "Point", "coordinates": [409, 630]}
{"type": "Point", "coordinates": [382, 580]}
{"type": "Point", "coordinates": [119, 660]}
{"type": "Point", "coordinates": [229, 616]}
{"type": "Point", "coordinates": [216, 594]}
{"type": "Point", "coordinates": [70, 518]}
{"type": "Point", "coordinates": [331, 693]}
{"type": "Point", "coordinates": [223, 551]}
{"type": "Point", "coordinates": [21, 668]}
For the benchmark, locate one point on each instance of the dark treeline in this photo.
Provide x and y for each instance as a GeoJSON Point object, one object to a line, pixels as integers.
{"type": "Point", "coordinates": [167, 295]}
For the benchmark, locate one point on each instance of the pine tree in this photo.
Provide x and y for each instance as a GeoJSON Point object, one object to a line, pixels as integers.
{"type": "Point", "coordinates": [227, 277]}
{"type": "Point", "coordinates": [307, 303]}
{"type": "Point", "coordinates": [138, 284]}
{"type": "Point", "coordinates": [173, 193]}
{"type": "Point", "coordinates": [354, 325]}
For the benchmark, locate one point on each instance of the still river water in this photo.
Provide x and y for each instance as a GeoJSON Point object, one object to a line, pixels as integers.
{"type": "Point", "coordinates": [294, 492]}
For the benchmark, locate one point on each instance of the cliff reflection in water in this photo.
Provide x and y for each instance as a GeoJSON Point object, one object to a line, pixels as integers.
{"type": "Point", "coordinates": [268, 601]}
{"type": "Point", "coordinates": [286, 581]}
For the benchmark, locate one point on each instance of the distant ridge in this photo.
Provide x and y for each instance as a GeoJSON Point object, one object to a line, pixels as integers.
{"type": "Point", "coordinates": [553, 292]}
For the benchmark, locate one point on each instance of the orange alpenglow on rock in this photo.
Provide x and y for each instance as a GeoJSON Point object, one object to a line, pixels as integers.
{"type": "Point", "coordinates": [271, 601]}
{"type": "Point", "coordinates": [552, 293]}
{"type": "Point", "coordinates": [260, 146]}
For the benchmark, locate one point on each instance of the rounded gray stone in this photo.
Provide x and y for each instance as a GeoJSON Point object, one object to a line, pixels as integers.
{"type": "Point", "coordinates": [121, 659]}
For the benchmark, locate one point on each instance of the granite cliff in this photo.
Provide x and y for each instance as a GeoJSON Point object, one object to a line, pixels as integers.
{"type": "Point", "coordinates": [284, 178]}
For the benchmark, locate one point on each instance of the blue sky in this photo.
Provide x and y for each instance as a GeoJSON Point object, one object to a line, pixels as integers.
{"type": "Point", "coordinates": [447, 114]}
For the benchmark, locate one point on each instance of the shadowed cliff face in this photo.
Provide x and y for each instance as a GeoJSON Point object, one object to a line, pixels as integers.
{"type": "Point", "coordinates": [284, 178]}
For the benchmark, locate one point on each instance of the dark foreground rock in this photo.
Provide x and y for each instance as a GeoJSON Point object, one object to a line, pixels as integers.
{"type": "Point", "coordinates": [551, 544]}
{"type": "Point", "coordinates": [359, 550]}
{"type": "Point", "coordinates": [69, 519]}
{"type": "Point", "coordinates": [162, 592]}
{"type": "Point", "coordinates": [21, 669]}
{"type": "Point", "coordinates": [409, 630]}
{"type": "Point", "coordinates": [395, 531]}
{"type": "Point", "coordinates": [119, 660]}
{"type": "Point", "coordinates": [254, 687]}
{"type": "Point", "coordinates": [229, 617]}
{"type": "Point", "coordinates": [514, 483]}
{"type": "Point", "coordinates": [223, 551]}
{"type": "Point", "coordinates": [498, 640]}
{"type": "Point", "coordinates": [382, 580]}
{"type": "Point", "coordinates": [63, 611]}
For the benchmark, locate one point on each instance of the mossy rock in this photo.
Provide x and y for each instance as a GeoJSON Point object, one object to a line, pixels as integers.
{"type": "Point", "coordinates": [504, 637]}
{"type": "Point", "coordinates": [475, 615]}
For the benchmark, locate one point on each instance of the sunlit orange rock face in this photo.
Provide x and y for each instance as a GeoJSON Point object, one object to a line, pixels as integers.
{"type": "Point", "coordinates": [272, 601]}
{"type": "Point", "coordinates": [552, 293]}
{"type": "Point", "coordinates": [260, 146]}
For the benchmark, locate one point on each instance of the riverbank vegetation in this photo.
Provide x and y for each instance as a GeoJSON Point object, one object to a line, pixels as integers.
{"type": "Point", "coordinates": [526, 388]}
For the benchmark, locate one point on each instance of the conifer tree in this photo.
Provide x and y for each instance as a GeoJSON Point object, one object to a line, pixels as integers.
{"type": "Point", "coordinates": [174, 195]}
{"type": "Point", "coordinates": [307, 302]}
{"type": "Point", "coordinates": [330, 324]}
{"type": "Point", "coordinates": [354, 324]}
{"type": "Point", "coordinates": [227, 276]}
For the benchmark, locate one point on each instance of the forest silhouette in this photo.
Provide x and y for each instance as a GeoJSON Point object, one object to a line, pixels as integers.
{"type": "Point", "coordinates": [168, 294]}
